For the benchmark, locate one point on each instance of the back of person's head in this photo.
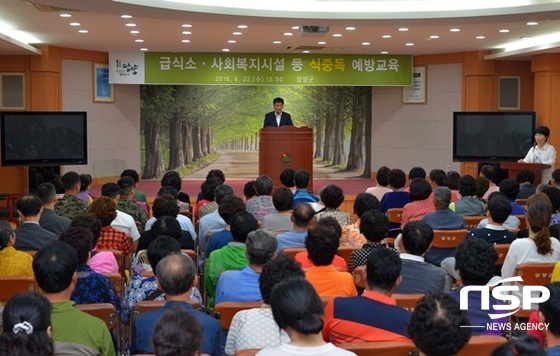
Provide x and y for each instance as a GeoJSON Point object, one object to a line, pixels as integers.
{"type": "Point", "coordinates": [556, 176]}
{"type": "Point", "coordinates": [296, 305]}
{"type": "Point", "coordinates": [81, 240]}
{"type": "Point", "coordinates": [302, 215]}
{"type": "Point", "coordinates": [26, 320]}
{"type": "Point", "coordinates": [169, 190]}
{"type": "Point", "coordinates": [161, 247]}
{"type": "Point", "coordinates": [396, 178]}
{"type": "Point", "coordinates": [332, 196]}
{"type": "Point", "coordinates": [279, 269]}
{"type": "Point", "coordinates": [29, 205]}
{"type": "Point", "coordinates": [365, 202]}
{"type": "Point", "coordinates": [175, 274]}
{"type": "Point", "coordinates": [166, 225]}
{"type": "Point", "coordinates": [435, 326]}
{"type": "Point", "coordinates": [230, 206]}
{"type": "Point", "coordinates": [510, 187]}
{"type": "Point", "coordinates": [264, 185]}
{"type": "Point", "coordinates": [46, 192]}
{"type": "Point", "coordinates": [242, 223]}
{"type": "Point", "coordinates": [70, 180]}
{"type": "Point", "coordinates": [332, 224]}
{"type": "Point", "coordinates": [551, 309]}
{"type": "Point", "coordinates": [383, 268]}
{"type": "Point", "coordinates": [261, 247]}
{"type": "Point", "coordinates": [452, 180]}
{"type": "Point", "coordinates": [543, 130]}
{"type": "Point", "coordinates": [126, 184]}
{"type": "Point", "coordinates": [437, 176]}
{"type": "Point", "coordinates": [442, 197]}
{"type": "Point", "coordinates": [110, 190]}
{"type": "Point", "coordinates": [416, 172]}
{"type": "Point", "coordinates": [500, 208]}
{"type": "Point", "coordinates": [216, 174]}
{"type": "Point", "coordinates": [301, 179]}
{"type": "Point", "coordinates": [222, 191]}
{"type": "Point", "coordinates": [523, 345]}
{"type": "Point", "coordinates": [208, 188]}
{"type": "Point", "coordinates": [374, 225]}
{"type": "Point", "coordinates": [322, 244]}
{"type": "Point", "coordinates": [57, 182]}
{"type": "Point", "coordinates": [90, 222]}
{"type": "Point", "coordinates": [6, 232]}
{"type": "Point", "coordinates": [475, 259]}
{"type": "Point", "coordinates": [525, 175]}
{"type": "Point", "coordinates": [482, 186]}
{"type": "Point", "coordinates": [171, 178]}
{"type": "Point", "coordinates": [467, 185]}
{"type": "Point", "coordinates": [287, 177]}
{"type": "Point", "coordinates": [177, 332]}
{"type": "Point", "coordinates": [553, 195]}
{"type": "Point", "coordinates": [488, 171]}
{"type": "Point", "coordinates": [132, 174]}
{"type": "Point", "coordinates": [85, 181]}
{"type": "Point", "coordinates": [283, 198]}
{"type": "Point", "coordinates": [417, 237]}
{"type": "Point", "coordinates": [165, 205]}
{"type": "Point", "coordinates": [420, 189]}
{"type": "Point", "coordinates": [249, 190]}
{"type": "Point", "coordinates": [381, 176]}
{"type": "Point", "coordinates": [105, 209]}
{"type": "Point", "coordinates": [54, 266]}
{"type": "Point", "coordinates": [538, 216]}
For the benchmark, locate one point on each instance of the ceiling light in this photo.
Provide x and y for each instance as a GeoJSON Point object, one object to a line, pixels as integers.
{"type": "Point", "coordinates": [65, 15]}
{"type": "Point", "coordinates": [306, 51]}
{"type": "Point", "coordinates": [186, 32]}
{"type": "Point", "coordinates": [134, 32]}
{"type": "Point", "coordinates": [186, 25]}
{"type": "Point", "coordinates": [409, 44]}
{"type": "Point", "coordinates": [434, 37]}
{"type": "Point", "coordinates": [386, 36]}
{"type": "Point", "coordinates": [403, 29]}
{"type": "Point", "coordinates": [139, 40]}
{"type": "Point", "coordinates": [295, 27]}
{"type": "Point", "coordinates": [232, 41]}
{"type": "Point", "coordinates": [126, 16]}
{"type": "Point", "coordinates": [242, 26]}
{"type": "Point", "coordinates": [83, 31]}
{"type": "Point", "coordinates": [143, 49]}
{"type": "Point", "coordinates": [504, 30]}
{"type": "Point", "coordinates": [237, 33]}
{"type": "Point", "coordinates": [350, 28]}
{"type": "Point", "coordinates": [74, 24]}
{"type": "Point", "coordinates": [225, 49]}
{"type": "Point", "coordinates": [321, 43]}
{"type": "Point", "coordinates": [288, 34]}
{"type": "Point", "coordinates": [454, 30]}
{"type": "Point", "coordinates": [130, 25]}
{"type": "Point", "coordinates": [276, 42]}
{"type": "Point", "coordinates": [532, 23]}
{"type": "Point", "coordinates": [186, 41]}
{"type": "Point", "coordinates": [337, 35]}
{"type": "Point", "coordinates": [480, 37]}
{"type": "Point", "coordinates": [365, 43]}
{"type": "Point", "coordinates": [384, 52]}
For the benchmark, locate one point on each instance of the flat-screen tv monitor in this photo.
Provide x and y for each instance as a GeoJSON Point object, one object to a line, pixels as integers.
{"type": "Point", "coordinates": [492, 136]}
{"type": "Point", "coordinates": [33, 138]}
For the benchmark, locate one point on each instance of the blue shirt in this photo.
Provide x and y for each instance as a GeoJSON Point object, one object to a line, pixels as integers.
{"type": "Point", "coordinates": [209, 223]}
{"type": "Point", "coordinates": [303, 196]}
{"type": "Point", "coordinates": [553, 351]}
{"type": "Point", "coordinates": [238, 286]}
{"type": "Point", "coordinates": [291, 239]}
{"type": "Point", "coordinates": [145, 323]}
{"type": "Point", "coordinates": [517, 209]}
{"type": "Point", "coordinates": [93, 287]}
{"type": "Point", "coordinates": [217, 241]}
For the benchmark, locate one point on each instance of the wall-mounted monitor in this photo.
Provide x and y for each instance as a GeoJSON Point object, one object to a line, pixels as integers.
{"type": "Point", "coordinates": [492, 136]}
{"type": "Point", "coordinates": [32, 138]}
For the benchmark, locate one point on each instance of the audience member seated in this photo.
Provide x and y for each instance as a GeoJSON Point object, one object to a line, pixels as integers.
{"type": "Point", "coordinates": [262, 204]}
{"type": "Point", "coordinates": [26, 322]}
{"type": "Point", "coordinates": [415, 172]}
{"type": "Point", "coordinates": [468, 205]}
{"type": "Point", "coordinates": [417, 275]}
{"type": "Point", "coordinates": [139, 196]}
{"type": "Point", "coordinates": [522, 345]}
{"type": "Point", "coordinates": [230, 257]}
{"type": "Point", "coordinates": [30, 235]}
{"type": "Point", "coordinates": [176, 276]}
{"type": "Point", "coordinates": [382, 183]}
{"type": "Point", "coordinates": [70, 205]}
{"type": "Point", "coordinates": [208, 203]}
{"type": "Point", "coordinates": [452, 182]}
{"type": "Point", "coordinates": [511, 223]}
{"type": "Point", "coordinates": [302, 179]}
{"type": "Point", "coordinates": [322, 245]}
{"type": "Point", "coordinates": [549, 312]}
{"type": "Point", "coordinates": [55, 271]}
{"type": "Point", "coordinates": [12, 262]}
{"type": "Point", "coordinates": [249, 190]}
{"type": "Point", "coordinates": [91, 287]}
{"type": "Point", "coordinates": [332, 197]}
{"type": "Point", "coordinates": [168, 226]}
{"type": "Point", "coordinates": [213, 222]}
{"type": "Point", "coordinates": [173, 179]}
{"type": "Point", "coordinates": [177, 332]}
{"type": "Point", "coordinates": [49, 219]}
{"type": "Point", "coordinates": [482, 186]}
{"type": "Point", "coordinates": [350, 319]}
{"type": "Point", "coordinates": [85, 183]}
{"type": "Point", "coordinates": [399, 197]}
{"type": "Point", "coordinates": [374, 226]}
{"type": "Point", "coordinates": [287, 179]}
{"type": "Point", "coordinates": [526, 180]}
{"type": "Point", "coordinates": [555, 181]}
{"type": "Point", "coordinates": [510, 188]}
{"type": "Point", "coordinates": [437, 179]}
{"type": "Point", "coordinates": [489, 172]}
{"type": "Point", "coordinates": [255, 328]}
{"type": "Point", "coordinates": [420, 202]}
{"type": "Point", "coordinates": [474, 265]}
{"type": "Point", "coordinates": [282, 199]}
{"type": "Point", "coordinates": [351, 235]}
{"type": "Point", "coordinates": [437, 326]}
{"type": "Point", "coordinates": [243, 285]}
{"type": "Point", "coordinates": [230, 206]}
{"type": "Point", "coordinates": [554, 195]}
{"type": "Point", "coordinates": [212, 174]}
{"type": "Point", "coordinates": [126, 202]}
{"type": "Point", "coordinates": [302, 216]}
{"type": "Point", "coordinates": [122, 222]}
{"type": "Point", "coordinates": [499, 208]}
{"type": "Point", "coordinates": [165, 204]}
{"type": "Point", "coordinates": [539, 247]}
{"type": "Point", "coordinates": [100, 261]}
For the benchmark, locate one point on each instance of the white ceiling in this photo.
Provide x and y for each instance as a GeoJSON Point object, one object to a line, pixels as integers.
{"type": "Point", "coordinates": [160, 25]}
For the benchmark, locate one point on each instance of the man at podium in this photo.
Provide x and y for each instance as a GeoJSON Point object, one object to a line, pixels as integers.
{"type": "Point", "coordinates": [542, 152]}
{"type": "Point", "coordinates": [277, 117]}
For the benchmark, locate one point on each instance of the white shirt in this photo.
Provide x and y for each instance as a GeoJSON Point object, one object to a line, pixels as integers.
{"type": "Point", "coordinates": [511, 223]}
{"type": "Point", "coordinates": [544, 155]}
{"type": "Point", "coordinates": [287, 350]}
{"type": "Point", "coordinates": [185, 222]}
{"type": "Point", "coordinates": [278, 118]}
{"type": "Point", "coordinates": [125, 223]}
{"type": "Point", "coordinates": [378, 191]}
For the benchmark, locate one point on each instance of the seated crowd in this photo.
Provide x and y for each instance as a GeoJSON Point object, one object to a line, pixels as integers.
{"type": "Point", "coordinates": [321, 279]}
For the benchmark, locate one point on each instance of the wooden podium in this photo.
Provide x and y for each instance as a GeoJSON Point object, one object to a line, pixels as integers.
{"type": "Point", "coordinates": [285, 147]}
{"type": "Point", "coordinates": [514, 167]}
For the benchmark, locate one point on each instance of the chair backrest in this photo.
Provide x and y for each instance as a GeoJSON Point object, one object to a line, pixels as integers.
{"type": "Point", "coordinates": [448, 238]}
{"type": "Point", "coordinates": [345, 252]}
{"type": "Point", "coordinates": [292, 251]}
{"type": "Point", "coordinates": [522, 221]}
{"type": "Point", "coordinates": [11, 285]}
{"type": "Point", "coordinates": [536, 274]}
{"type": "Point", "coordinates": [247, 352]}
{"type": "Point", "coordinates": [360, 276]}
{"type": "Point", "coordinates": [118, 282]}
{"type": "Point", "coordinates": [472, 221]}
{"type": "Point", "coordinates": [227, 310]}
{"type": "Point", "coordinates": [501, 251]}
{"type": "Point", "coordinates": [120, 261]}
{"type": "Point", "coordinates": [189, 253]}
{"type": "Point", "coordinates": [13, 215]}
{"type": "Point", "coordinates": [380, 348]}
{"type": "Point", "coordinates": [522, 202]}
{"type": "Point", "coordinates": [395, 215]}
{"type": "Point", "coordinates": [326, 300]}
{"type": "Point", "coordinates": [106, 312]}
{"type": "Point", "coordinates": [481, 345]}
{"type": "Point", "coordinates": [407, 301]}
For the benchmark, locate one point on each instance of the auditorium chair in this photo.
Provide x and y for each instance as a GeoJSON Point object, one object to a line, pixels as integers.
{"type": "Point", "coordinates": [473, 221]}
{"type": "Point", "coordinates": [292, 251]}
{"type": "Point", "coordinates": [247, 352]}
{"type": "Point", "coordinates": [448, 238]}
{"type": "Point", "coordinates": [407, 301]}
{"type": "Point", "coordinates": [225, 311]}
{"type": "Point", "coordinates": [380, 348]}
{"type": "Point", "coordinates": [345, 252]}
{"type": "Point", "coordinates": [533, 274]}
{"type": "Point", "coordinates": [11, 285]}
{"type": "Point", "coordinates": [108, 313]}
{"type": "Point", "coordinates": [522, 221]}
{"type": "Point", "coordinates": [501, 251]}
{"type": "Point", "coordinates": [118, 282]}
{"type": "Point", "coordinates": [481, 345]}
{"type": "Point", "coordinates": [360, 276]}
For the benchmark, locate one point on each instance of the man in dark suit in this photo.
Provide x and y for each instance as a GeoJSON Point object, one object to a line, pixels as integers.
{"type": "Point", "coordinates": [277, 117]}
{"type": "Point", "coordinates": [30, 235]}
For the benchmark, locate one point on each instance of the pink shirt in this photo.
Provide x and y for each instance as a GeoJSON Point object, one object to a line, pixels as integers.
{"type": "Point", "coordinates": [104, 262]}
{"type": "Point", "coordinates": [417, 209]}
